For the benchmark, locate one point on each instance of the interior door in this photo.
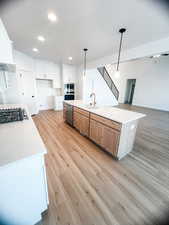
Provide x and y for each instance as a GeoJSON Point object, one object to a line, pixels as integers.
{"type": "Point", "coordinates": [130, 87]}
{"type": "Point", "coordinates": [28, 91]}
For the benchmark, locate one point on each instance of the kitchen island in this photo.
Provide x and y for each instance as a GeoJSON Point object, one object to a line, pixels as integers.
{"type": "Point", "coordinates": [111, 128]}
{"type": "Point", "coordinates": [23, 185]}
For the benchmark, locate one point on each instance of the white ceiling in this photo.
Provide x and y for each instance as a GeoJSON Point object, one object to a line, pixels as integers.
{"type": "Point", "coordinates": [83, 23]}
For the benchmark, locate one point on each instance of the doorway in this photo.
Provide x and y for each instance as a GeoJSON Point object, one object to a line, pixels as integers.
{"type": "Point", "coordinates": [28, 90]}
{"type": "Point", "coordinates": [130, 87]}
{"type": "Point", "coordinates": [45, 94]}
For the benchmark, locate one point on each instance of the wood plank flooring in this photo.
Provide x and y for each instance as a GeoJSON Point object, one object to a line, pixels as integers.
{"type": "Point", "coordinates": [88, 187]}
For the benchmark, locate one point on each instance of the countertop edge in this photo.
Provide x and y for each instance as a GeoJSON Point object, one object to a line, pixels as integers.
{"type": "Point", "coordinates": [8, 164]}
{"type": "Point", "coordinates": [40, 148]}
{"type": "Point", "coordinates": [99, 114]}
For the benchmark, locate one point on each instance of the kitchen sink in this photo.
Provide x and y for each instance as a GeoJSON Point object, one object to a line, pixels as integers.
{"type": "Point", "coordinates": [91, 107]}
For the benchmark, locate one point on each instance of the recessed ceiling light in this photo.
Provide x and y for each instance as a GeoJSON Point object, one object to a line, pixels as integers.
{"type": "Point", "coordinates": [70, 58]}
{"type": "Point", "coordinates": [35, 50]}
{"type": "Point", "coordinates": [41, 38]}
{"type": "Point", "coordinates": [156, 56]}
{"type": "Point", "coordinates": [52, 17]}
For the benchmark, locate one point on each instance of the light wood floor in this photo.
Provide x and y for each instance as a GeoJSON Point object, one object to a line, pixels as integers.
{"type": "Point", "coordinates": [88, 187]}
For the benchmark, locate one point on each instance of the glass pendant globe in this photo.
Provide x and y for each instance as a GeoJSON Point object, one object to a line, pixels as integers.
{"type": "Point", "coordinates": [117, 74]}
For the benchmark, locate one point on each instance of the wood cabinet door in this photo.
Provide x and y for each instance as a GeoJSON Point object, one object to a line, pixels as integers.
{"type": "Point", "coordinates": [64, 112]}
{"type": "Point", "coordinates": [81, 123]}
{"type": "Point", "coordinates": [110, 140]}
{"type": "Point", "coordinates": [84, 125]}
{"type": "Point", "coordinates": [76, 120]}
{"type": "Point", "coordinates": [96, 132]}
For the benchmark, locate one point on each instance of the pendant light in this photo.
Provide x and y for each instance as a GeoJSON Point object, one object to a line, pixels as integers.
{"type": "Point", "coordinates": [85, 54]}
{"type": "Point", "coordinates": [121, 31]}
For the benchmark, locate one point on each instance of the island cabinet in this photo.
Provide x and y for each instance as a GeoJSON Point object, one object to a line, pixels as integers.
{"type": "Point", "coordinates": [64, 111]}
{"type": "Point", "coordinates": [110, 141]}
{"type": "Point", "coordinates": [81, 121]}
{"type": "Point", "coordinates": [105, 133]}
{"type": "Point", "coordinates": [96, 132]}
{"type": "Point", "coordinates": [112, 129]}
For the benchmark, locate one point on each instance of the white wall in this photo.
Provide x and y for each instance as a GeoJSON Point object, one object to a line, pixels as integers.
{"type": "Point", "coordinates": [5, 46]}
{"type": "Point", "coordinates": [68, 73]}
{"type": "Point", "coordinates": [9, 90]}
{"type": "Point", "coordinates": [46, 67]}
{"type": "Point", "coordinates": [148, 49]}
{"type": "Point", "coordinates": [79, 83]}
{"type": "Point", "coordinates": [152, 82]}
{"type": "Point", "coordinates": [144, 50]}
{"type": "Point", "coordinates": [25, 72]}
{"type": "Point", "coordinates": [93, 82]}
{"type": "Point", "coordinates": [24, 62]}
{"type": "Point", "coordinates": [43, 69]}
{"type": "Point", "coordinates": [35, 68]}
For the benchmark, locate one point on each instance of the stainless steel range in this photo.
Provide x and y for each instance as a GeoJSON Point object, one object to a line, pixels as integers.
{"type": "Point", "coordinates": [12, 114]}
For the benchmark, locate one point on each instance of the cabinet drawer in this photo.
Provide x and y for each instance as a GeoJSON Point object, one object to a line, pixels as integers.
{"type": "Point", "coordinates": [105, 121]}
{"type": "Point", "coordinates": [83, 112]}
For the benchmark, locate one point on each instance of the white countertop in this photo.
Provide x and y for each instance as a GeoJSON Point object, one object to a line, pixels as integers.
{"type": "Point", "coordinates": [119, 115]}
{"type": "Point", "coordinates": [19, 140]}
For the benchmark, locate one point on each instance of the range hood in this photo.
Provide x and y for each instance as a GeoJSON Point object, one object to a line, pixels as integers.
{"type": "Point", "coordinates": [9, 93]}
{"type": "Point", "coordinates": [8, 67]}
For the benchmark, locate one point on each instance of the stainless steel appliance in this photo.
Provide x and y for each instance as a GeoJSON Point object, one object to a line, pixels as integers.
{"type": "Point", "coordinates": [69, 91]}
{"type": "Point", "coordinates": [12, 114]}
{"type": "Point", "coordinates": [69, 114]}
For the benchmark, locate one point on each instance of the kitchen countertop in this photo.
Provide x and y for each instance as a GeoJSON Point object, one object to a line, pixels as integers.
{"type": "Point", "coordinates": [19, 140]}
{"type": "Point", "coordinates": [119, 115]}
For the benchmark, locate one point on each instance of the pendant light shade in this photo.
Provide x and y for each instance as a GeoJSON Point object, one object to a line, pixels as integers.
{"type": "Point", "coordinates": [121, 31]}
{"type": "Point", "coordinates": [117, 74]}
{"type": "Point", "coordinates": [85, 56]}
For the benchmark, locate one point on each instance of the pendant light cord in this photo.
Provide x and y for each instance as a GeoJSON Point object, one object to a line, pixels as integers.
{"type": "Point", "coordinates": [85, 53]}
{"type": "Point", "coordinates": [118, 62]}
{"type": "Point", "coordinates": [122, 30]}
{"type": "Point", "coordinates": [85, 64]}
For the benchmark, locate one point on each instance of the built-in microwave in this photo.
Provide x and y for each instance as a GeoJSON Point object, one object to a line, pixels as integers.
{"type": "Point", "coordinates": [69, 91]}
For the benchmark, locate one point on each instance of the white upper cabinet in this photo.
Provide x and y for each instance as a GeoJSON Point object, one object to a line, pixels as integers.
{"type": "Point", "coordinates": [56, 80]}
{"type": "Point", "coordinates": [48, 70]}
{"type": "Point", "coordinates": [69, 74]}
{"type": "Point", "coordinates": [41, 69]}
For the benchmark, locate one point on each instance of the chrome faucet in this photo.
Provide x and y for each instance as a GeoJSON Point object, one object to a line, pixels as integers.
{"type": "Point", "coordinates": [94, 99]}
